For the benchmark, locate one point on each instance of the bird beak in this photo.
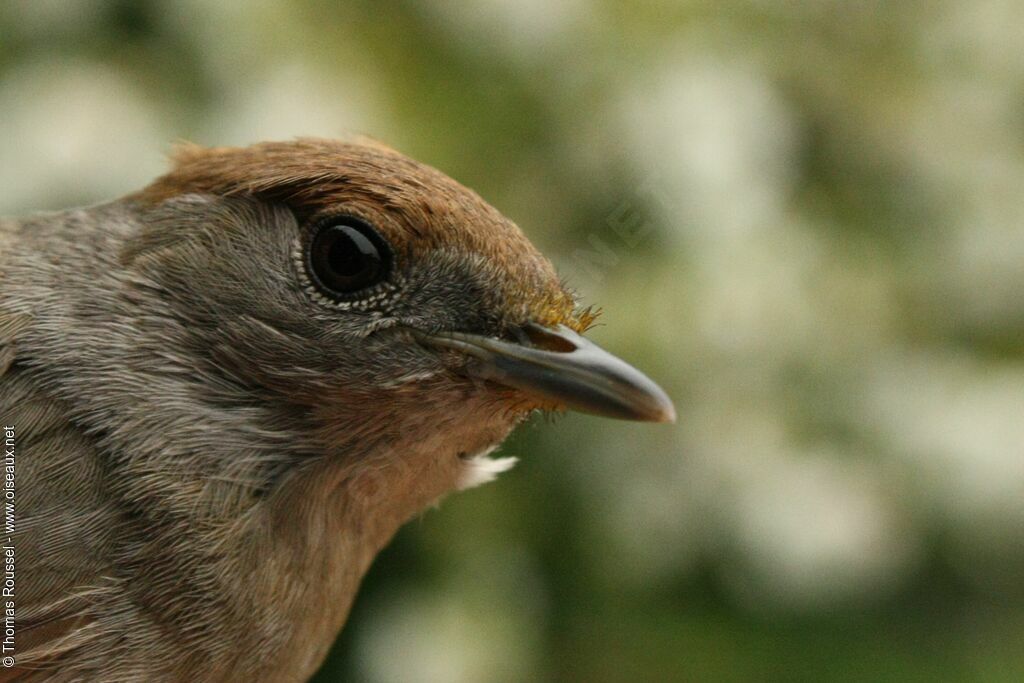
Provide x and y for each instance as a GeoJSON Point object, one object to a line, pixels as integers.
{"type": "Point", "coordinates": [560, 366]}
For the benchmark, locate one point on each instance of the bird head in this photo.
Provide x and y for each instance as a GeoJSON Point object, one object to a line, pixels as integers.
{"type": "Point", "coordinates": [372, 291]}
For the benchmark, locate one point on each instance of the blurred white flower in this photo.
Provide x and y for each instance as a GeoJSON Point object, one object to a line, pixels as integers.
{"type": "Point", "coordinates": [236, 39]}
{"type": "Point", "coordinates": [281, 90]}
{"type": "Point", "coordinates": [74, 132]}
{"type": "Point", "coordinates": [484, 626]}
{"type": "Point", "coordinates": [718, 139]}
{"type": "Point", "coordinates": [757, 296]}
{"type": "Point", "coordinates": [526, 30]}
{"type": "Point", "coordinates": [983, 36]}
{"type": "Point", "coordinates": [960, 424]}
{"type": "Point", "coordinates": [980, 266]}
{"type": "Point", "coordinates": [814, 529]}
{"type": "Point", "coordinates": [295, 99]}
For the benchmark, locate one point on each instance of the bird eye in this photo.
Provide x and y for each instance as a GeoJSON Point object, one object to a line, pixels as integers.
{"type": "Point", "coordinates": [347, 255]}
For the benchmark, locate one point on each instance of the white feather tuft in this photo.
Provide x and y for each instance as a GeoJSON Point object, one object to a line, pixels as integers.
{"type": "Point", "coordinates": [480, 469]}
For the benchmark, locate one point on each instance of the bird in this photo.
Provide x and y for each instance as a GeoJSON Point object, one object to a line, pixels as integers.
{"type": "Point", "coordinates": [227, 390]}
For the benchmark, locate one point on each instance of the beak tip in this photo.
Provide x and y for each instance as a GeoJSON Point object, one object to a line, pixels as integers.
{"type": "Point", "coordinates": [663, 412]}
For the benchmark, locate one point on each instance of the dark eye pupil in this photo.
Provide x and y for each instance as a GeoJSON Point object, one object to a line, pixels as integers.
{"type": "Point", "coordinates": [349, 254]}
{"type": "Point", "coordinates": [347, 257]}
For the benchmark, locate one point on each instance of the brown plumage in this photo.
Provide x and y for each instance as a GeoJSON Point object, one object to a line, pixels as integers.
{"type": "Point", "coordinates": [232, 387]}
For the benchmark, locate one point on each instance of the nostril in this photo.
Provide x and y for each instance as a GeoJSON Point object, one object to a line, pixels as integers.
{"type": "Point", "coordinates": [544, 338]}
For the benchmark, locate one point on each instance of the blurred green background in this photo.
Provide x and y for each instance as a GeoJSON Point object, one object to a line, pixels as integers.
{"type": "Point", "coordinates": [804, 218]}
